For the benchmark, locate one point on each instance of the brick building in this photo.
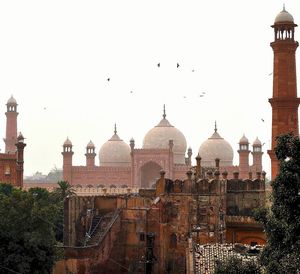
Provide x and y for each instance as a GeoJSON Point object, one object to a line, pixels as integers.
{"type": "Point", "coordinates": [12, 161]}
{"type": "Point", "coordinates": [150, 230]}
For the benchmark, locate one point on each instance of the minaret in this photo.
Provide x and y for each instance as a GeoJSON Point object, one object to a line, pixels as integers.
{"type": "Point", "coordinates": [257, 155]}
{"type": "Point", "coordinates": [244, 157]}
{"type": "Point", "coordinates": [67, 160]}
{"type": "Point", "coordinates": [90, 154]}
{"type": "Point", "coordinates": [11, 125]}
{"type": "Point", "coordinates": [284, 101]}
{"type": "Point", "coordinates": [20, 160]}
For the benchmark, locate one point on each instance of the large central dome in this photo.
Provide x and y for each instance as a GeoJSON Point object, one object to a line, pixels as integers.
{"type": "Point", "coordinates": [216, 147]}
{"type": "Point", "coordinates": [159, 136]}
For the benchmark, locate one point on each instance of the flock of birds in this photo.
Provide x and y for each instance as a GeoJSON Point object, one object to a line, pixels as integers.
{"type": "Point", "coordinates": [202, 94]}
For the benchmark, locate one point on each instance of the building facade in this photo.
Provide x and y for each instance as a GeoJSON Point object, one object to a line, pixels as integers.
{"type": "Point", "coordinates": [150, 231]}
{"type": "Point", "coordinates": [164, 148]}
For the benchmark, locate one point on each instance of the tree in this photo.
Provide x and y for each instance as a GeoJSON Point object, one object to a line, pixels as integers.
{"type": "Point", "coordinates": [26, 231]}
{"type": "Point", "coordinates": [64, 190]}
{"type": "Point", "coordinates": [282, 222]}
{"type": "Point", "coordinates": [234, 265]}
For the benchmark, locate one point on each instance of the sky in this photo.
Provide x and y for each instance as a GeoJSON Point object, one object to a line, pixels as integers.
{"type": "Point", "coordinates": [56, 56]}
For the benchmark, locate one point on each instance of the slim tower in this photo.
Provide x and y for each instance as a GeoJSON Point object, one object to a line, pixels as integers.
{"type": "Point", "coordinates": [244, 157]}
{"type": "Point", "coordinates": [11, 126]}
{"type": "Point", "coordinates": [67, 160]}
{"type": "Point", "coordinates": [284, 101]}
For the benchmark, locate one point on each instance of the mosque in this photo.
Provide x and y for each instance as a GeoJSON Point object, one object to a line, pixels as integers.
{"type": "Point", "coordinates": [164, 148]}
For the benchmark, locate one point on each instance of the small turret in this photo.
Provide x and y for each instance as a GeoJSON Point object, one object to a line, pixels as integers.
{"type": "Point", "coordinates": [244, 157]}
{"type": "Point", "coordinates": [90, 154]}
{"type": "Point", "coordinates": [67, 160]}
{"type": "Point", "coordinates": [257, 155]}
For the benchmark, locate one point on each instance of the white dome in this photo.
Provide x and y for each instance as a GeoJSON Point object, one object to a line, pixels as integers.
{"type": "Point", "coordinates": [115, 152]}
{"type": "Point", "coordinates": [12, 101]}
{"type": "Point", "coordinates": [159, 136]}
{"type": "Point", "coordinates": [284, 16]}
{"type": "Point", "coordinates": [216, 147]}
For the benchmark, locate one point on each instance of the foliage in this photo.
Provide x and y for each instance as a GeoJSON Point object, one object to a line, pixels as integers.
{"type": "Point", "coordinates": [64, 190]}
{"type": "Point", "coordinates": [26, 232]}
{"type": "Point", "coordinates": [31, 226]}
{"type": "Point", "coordinates": [282, 222]}
{"type": "Point", "coordinates": [234, 265]}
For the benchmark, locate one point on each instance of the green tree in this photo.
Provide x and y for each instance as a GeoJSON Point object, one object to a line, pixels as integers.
{"type": "Point", "coordinates": [64, 190]}
{"type": "Point", "coordinates": [234, 265]}
{"type": "Point", "coordinates": [282, 222]}
{"type": "Point", "coordinates": [27, 233]}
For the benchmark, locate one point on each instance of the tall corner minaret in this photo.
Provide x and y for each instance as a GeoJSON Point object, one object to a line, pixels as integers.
{"type": "Point", "coordinates": [67, 160]}
{"type": "Point", "coordinates": [284, 102]}
{"type": "Point", "coordinates": [11, 126]}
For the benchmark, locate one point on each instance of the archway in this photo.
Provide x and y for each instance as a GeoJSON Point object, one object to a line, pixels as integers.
{"type": "Point", "coordinates": [149, 174]}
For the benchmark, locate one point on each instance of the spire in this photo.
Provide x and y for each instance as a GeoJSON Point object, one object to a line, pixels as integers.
{"type": "Point", "coordinates": [115, 131]}
{"type": "Point", "coordinates": [283, 7]}
{"type": "Point", "coordinates": [164, 113]}
{"type": "Point", "coordinates": [216, 126]}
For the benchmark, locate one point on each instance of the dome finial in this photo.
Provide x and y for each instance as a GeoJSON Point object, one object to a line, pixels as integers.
{"type": "Point", "coordinates": [283, 7]}
{"type": "Point", "coordinates": [216, 126]}
{"type": "Point", "coordinates": [164, 113]}
{"type": "Point", "coordinates": [115, 131]}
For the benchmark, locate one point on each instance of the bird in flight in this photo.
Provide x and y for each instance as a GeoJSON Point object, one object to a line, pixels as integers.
{"type": "Point", "coordinates": [270, 73]}
{"type": "Point", "coordinates": [262, 119]}
{"type": "Point", "coordinates": [108, 79]}
{"type": "Point", "coordinates": [193, 70]}
{"type": "Point", "coordinates": [201, 95]}
{"type": "Point", "coordinates": [158, 65]}
{"type": "Point", "coordinates": [184, 97]}
{"type": "Point", "coordinates": [178, 65]}
{"type": "Point", "coordinates": [131, 91]}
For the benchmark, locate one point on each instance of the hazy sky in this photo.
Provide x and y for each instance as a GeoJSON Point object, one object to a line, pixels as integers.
{"type": "Point", "coordinates": [55, 57]}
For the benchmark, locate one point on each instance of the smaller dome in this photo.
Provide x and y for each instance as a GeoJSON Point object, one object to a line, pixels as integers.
{"type": "Point", "coordinates": [244, 140]}
{"type": "Point", "coordinates": [284, 16]}
{"type": "Point", "coordinates": [257, 142]}
{"type": "Point", "coordinates": [213, 148]}
{"type": "Point", "coordinates": [90, 145]}
{"type": "Point", "coordinates": [12, 101]}
{"type": "Point", "coordinates": [67, 142]}
{"type": "Point", "coordinates": [115, 152]}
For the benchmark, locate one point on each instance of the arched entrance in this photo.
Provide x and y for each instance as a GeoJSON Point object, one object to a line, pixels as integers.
{"type": "Point", "coordinates": [149, 174]}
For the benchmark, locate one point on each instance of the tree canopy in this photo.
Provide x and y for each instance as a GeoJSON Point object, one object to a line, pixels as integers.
{"type": "Point", "coordinates": [234, 265]}
{"type": "Point", "coordinates": [282, 221]}
{"type": "Point", "coordinates": [31, 227]}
